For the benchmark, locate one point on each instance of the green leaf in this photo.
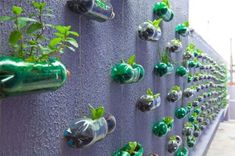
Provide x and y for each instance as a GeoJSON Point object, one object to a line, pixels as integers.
{"type": "Point", "coordinates": [49, 25]}
{"type": "Point", "coordinates": [176, 42]}
{"type": "Point", "coordinates": [165, 58]}
{"type": "Point", "coordinates": [48, 15]}
{"type": "Point", "coordinates": [72, 41]}
{"type": "Point", "coordinates": [156, 23]}
{"type": "Point", "coordinates": [34, 27]}
{"type": "Point", "coordinates": [195, 60]}
{"type": "Point", "coordinates": [6, 18]}
{"type": "Point", "coordinates": [44, 57]}
{"type": "Point", "coordinates": [31, 59]}
{"type": "Point", "coordinates": [54, 42]}
{"type": "Point", "coordinates": [191, 47]}
{"type": "Point", "coordinates": [39, 5]}
{"type": "Point", "coordinates": [156, 96]}
{"type": "Point", "coordinates": [186, 24]}
{"type": "Point", "coordinates": [149, 92]}
{"type": "Point", "coordinates": [166, 2]}
{"type": "Point", "coordinates": [176, 88]}
{"type": "Point", "coordinates": [71, 48]}
{"type": "Point", "coordinates": [131, 60]}
{"type": "Point", "coordinates": [172, 138]}
{"type": "Point", "coordinates": [27, 19]}
{"type": "Point", "coordinates": [21, 24]}
{"type": "Point", "coordinates": [168, 120]}
{"type": "Point", "coordinates": [17, 10]}
{"type": "Point", "coordinates": [59, 35]}
{"type": "Point", "coordinates": [132, 147]}
{"type": "Point", "coordinates": [15, 36]}
{"type": "Point", "coordinates": [62, 29]}
{"type": "Point", "coordinates": [74, 33]}
{"type": "Point", "coordinates": [97, 113]}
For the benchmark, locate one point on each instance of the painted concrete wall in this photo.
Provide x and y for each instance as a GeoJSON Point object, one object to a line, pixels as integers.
{"type": "Point", "coordinates": [34, 124]}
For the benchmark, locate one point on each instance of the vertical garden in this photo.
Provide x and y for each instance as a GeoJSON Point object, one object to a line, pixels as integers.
{"type": "Point", "coordinates": [100, 78]}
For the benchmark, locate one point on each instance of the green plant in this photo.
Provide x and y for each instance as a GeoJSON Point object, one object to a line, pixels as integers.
{"type": "Point", "coordinates": [165, 58]}
{"type": "Point", "coordinates": [186, 24]}
{"type": "Point", "coordinates": [150, 93]}
{"type": "Point", "coordinates": [190, 48]}
{"type": "Point", "coordinates": [172, 138]}
{"type": "Point", "coordinates": [131, 60]}
{"type": "Point", "coordinates": [167, 3]}
{"type": "Point", "coordinates": [27, 39]}
{"type": "Point", "coordinates": [131, 147]}
{"type": "Point", "coordinates": [176, 88]}
{"type": "Point", "coordinates": [156, 23]}
{"type": "Point", "coordinates": [176, 42]}
{"type": "Point", "coordinates": [96, 113]}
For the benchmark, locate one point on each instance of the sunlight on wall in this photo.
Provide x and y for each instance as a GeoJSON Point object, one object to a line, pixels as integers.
{"type": "Point", "coordinates": [214, 21]}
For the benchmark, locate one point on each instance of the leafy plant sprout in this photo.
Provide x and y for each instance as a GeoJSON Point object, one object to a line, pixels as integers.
{"type": "Point", "coordinates": [96, 113]}
{"type": "Point", "coordinates": [176, 42]}
{"type": "Point", "coordinates": [28, 41]}
{"type": "Point", "coordinates": [153, 96]}
{"type": "Point", "coordinates": [156, 23]}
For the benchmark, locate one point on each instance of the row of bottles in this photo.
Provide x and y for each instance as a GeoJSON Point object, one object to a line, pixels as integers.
{"type": "Point", "coordinates": [128, 72]}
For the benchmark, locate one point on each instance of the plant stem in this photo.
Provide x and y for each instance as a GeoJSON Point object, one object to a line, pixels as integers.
{"type": "Point", "coordinates": [40, 34]}
{"type": "Point", "coordinates": [20, 52]}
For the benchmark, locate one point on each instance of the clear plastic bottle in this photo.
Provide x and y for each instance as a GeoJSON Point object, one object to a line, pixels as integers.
{"type": "Point", "coordinates": [147, 103]}
{"type": "Point", "coordinates": [147, 31]}
{"type": "Point", "coordinates": [86, 131]}
{"type": "Point", "coordinates": [99, 10]}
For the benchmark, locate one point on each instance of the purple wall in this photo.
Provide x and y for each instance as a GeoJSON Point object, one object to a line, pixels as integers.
{"type": "Point", "coordinates": [34, 124]}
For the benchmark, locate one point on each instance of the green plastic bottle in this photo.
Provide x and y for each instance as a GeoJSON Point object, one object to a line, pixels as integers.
{"type": "Point", "coordinates": [19, 77]}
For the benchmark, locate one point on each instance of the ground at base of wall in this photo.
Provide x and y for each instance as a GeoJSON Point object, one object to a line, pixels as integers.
{"type": "Point", "coordinates": [223, 143]}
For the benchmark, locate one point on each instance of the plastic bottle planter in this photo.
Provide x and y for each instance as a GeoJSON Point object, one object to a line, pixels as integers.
{"type": "Point", "coordinates": [195, 103]}
{"type": "Point", "coordinates": [183, 151]}
{"type": "Point", "coordinates": [130, 149]}
{"type": "Point", "coordinates": [162, 10]}
{"type": "Point", "coordinates": [99, 10]}
{"type": "Point", "coordinates": [182, 29]}
{"type": "Point", "coordinates": [191, 141]}
{"type": "Point", "coordinates": [126, 73]}
{"type": "Point", "coordinates": [86, 131]}
{"type": "Point", "coordinates": [187, 56]}
{"type": "Point", "coordinates": [161, 128]}
{"type": "Point", "coordinates": [197, 110]}
{"type": "Point", "coordinates": [200, 98]}
{"type": "Point", "coordinates": [181, 71]}
{"type": "Point", "coordinates": [150, 31]}
{"type": "Point", "coordinates": [189, 92]}
{"type": "Point", "coordinates": [189, 107]}
{"type": "Point", "coordinates": [197, 133]}
{"type": "Point", "coordinates": [20, 77]}
{"type": "Point", "coordinates": [149, 101]}
{"type": "Point", "coordinates": [192, 64]}
{"type": "Point", "coordinates": [174, 46]}
{"type": "Point", "coordinates": [181, 112]}
{"type": "Point", "coordinates": [174, 143]}
{"type": "Point", "coordinates": [163, 69]}
{"type": "Point", "coordinates": [188, 129]}
{"type": "Point", "coordinates": [175, 94]}
{"type": "Point", "coordinates": [189, 78]}
{"type": "Point", "coordinates": [200, 119]}
{"type": "Point", "coordinates": [197, 130]}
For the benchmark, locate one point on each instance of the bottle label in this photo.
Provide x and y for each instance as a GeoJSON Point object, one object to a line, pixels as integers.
{"type": "Point", "coordinates": [102, 4]}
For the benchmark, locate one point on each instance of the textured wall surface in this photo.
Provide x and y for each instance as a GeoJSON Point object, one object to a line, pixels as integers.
{"type": "Point", "coordinates": [34, 124]}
